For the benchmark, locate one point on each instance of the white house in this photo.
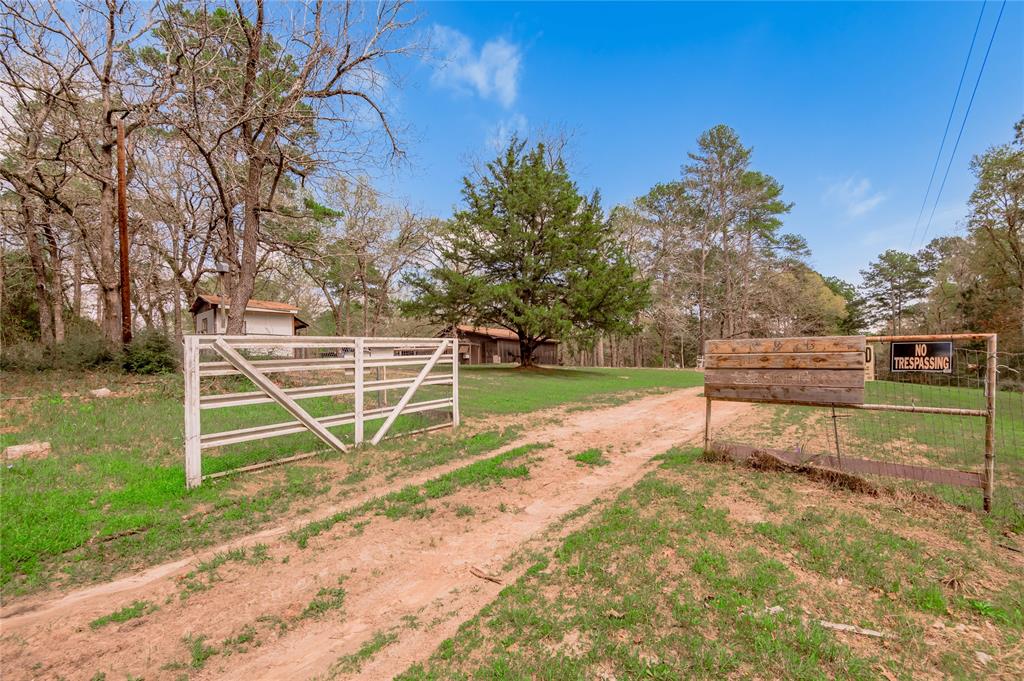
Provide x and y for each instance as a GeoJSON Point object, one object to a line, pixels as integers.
{"type": "Point", "coordinates": [210, 314]}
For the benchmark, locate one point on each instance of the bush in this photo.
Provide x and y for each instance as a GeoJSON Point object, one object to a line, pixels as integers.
{"type": "Point", "coordinates": [83, 348]}
{"type": "Point", "coordinates": [150, 352]}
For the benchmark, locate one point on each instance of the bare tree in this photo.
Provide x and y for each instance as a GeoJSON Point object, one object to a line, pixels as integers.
{"type": "Point", "coordinates": [256, 96]}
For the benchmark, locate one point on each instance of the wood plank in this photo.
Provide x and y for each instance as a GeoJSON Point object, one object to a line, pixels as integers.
{"type": "Point", "coordinates": [787, 394]}
{"type": "Point", "coordinates": [947, 476]}
{"type": "Point", "coordinates": [786, 345]}
{"type": "Point", "coordinates": [796, 360]}
{"type": "Point", "coordinates": [836, 378]}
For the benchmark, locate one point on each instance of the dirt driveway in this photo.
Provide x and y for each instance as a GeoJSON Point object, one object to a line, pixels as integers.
{"type": "Point", "coordinates": [407, 583]}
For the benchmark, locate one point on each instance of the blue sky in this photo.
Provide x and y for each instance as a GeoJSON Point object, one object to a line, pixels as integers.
{"type": "Point", "coordinates": [844, 103]}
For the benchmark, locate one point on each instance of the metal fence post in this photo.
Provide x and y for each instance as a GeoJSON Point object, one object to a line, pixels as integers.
{"type": "Point", "coordinates": [455, 380]}
{"type": "Point", "coordinates": [991, 347]}
{"type": "Point", "coordinates": [359, 392]}
{"type": "Point", "coordinates": [193, 453]}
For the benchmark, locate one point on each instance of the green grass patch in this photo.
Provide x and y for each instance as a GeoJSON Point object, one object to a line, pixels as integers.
{"type": "Point", "coordinates": [353, 663]}
{"type": "Point", "coordinates": [646, 590]}
{"type": "Point", "coordinates": [411, 501]}
{"type": "Point", "coordinates": [591, 457]}
{"type": "Point", "coordinates": [130, 612]}
{"type": "Point", "coordinates": [326, 599]}
{"type": "Point", "coordinates": [112, 496]}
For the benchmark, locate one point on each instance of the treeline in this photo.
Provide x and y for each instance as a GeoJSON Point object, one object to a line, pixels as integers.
{"type": "Point", "coordinates": [247, 132]}
{"type": "Point", "coordinates": [250, 134]}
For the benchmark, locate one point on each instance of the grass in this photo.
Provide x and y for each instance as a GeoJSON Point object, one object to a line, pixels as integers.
{"type": "Point", "coordinates": [591, 457]}
{"type": "Point", "coordinates": [943, 441]}
{"type": "Point", "coordinates": [708, 571]}
{"type": "Point", "coordinates": [111, 497]}
{"type": "Point", "coordinates": [411, 501]}
{"type": "Point", "coordinates": [353, 663]}
{"type": "Point", "coordinates": [326, 599]}
{"type": "Point", "coordinates": [129, 612]}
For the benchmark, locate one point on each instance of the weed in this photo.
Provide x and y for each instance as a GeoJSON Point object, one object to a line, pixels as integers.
{"type": "Point", "coordinates": [198, 650]}
{"type": "Point", "coordinates": [464, 511]}
{"type": "Point", "coordinates": [591, 457]}
{"type": "Point", "coordinates": [326, 599]}
{"type": "Point", "coordinates": [129, 612]}
{"type": "Point", "coordinates": [350, 664]}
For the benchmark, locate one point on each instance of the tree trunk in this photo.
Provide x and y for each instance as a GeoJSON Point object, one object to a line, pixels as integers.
{"type": "Point", "coordinates": [107, 277]}
{"type": "Point", "coordinates": [76, 280]}
{"type": "Point", "coordinates": [526, 348]}
{"type": "Point", "coordinates": [35, 258]}
{"type": "Point", "coordinates": [56, 288]}
{"type": "Point", "coordinates": [247, 267]}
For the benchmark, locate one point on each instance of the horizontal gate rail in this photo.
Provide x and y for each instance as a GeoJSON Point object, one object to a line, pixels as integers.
{"type": "Point", "coordinates": [350, 357]}
{"type": "Point", "coordinates": [230, 437]}
{"type": "Point", "coordinates": [244, 398]}
{"type": "Point", "coordinates": [946, 476]}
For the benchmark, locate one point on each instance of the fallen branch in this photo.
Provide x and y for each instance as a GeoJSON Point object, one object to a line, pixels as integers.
{"type": "Point", "coordinates": [1011, 548]}
{"type": "Point", "coordinates": [851, 629]}
{"type": "Point", "coordinates": [835, 626]}
{"type": "Point", "coordinates": [477, 572]}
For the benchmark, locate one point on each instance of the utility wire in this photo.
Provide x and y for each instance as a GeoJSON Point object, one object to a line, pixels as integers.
{"type": "Point", "coordinates": [964, 123]}
{"type": "Point", "coordinates": [949, 119]}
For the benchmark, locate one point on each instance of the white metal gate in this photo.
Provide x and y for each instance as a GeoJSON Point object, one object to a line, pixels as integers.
{"type": "Point", "coordinates": [321, 354]}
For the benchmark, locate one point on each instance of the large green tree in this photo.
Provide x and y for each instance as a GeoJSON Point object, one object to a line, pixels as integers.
{"type": "Point", "coordinates": [529, 253]}
{"type": "Point", "coordinates": [892, 284]}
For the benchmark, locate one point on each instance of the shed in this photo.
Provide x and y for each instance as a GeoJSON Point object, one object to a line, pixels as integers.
{"type": "Point", "coordinates": [495, 345]}
{"type": "Point", "coordinates": [210, 313]}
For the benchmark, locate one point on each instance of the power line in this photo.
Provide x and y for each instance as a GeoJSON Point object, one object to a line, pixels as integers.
{"type": "Point", "coordinates": [949, 119]}
{"type": "Point", "coordinates": [964, 123]}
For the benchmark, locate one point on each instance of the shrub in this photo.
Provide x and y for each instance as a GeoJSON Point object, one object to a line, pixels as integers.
{"type": "Point", "coordinates": [83, 348]}
{"type": "Point", "coordinates": [150, 352]}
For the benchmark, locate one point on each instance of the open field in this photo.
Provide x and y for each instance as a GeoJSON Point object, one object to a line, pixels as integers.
{"type": "Point", "coordinates": [112, 495]}
{"type": "Point", "coordinates": [569, 530]}
{"type": "Point", "coordinates": [713, 570]}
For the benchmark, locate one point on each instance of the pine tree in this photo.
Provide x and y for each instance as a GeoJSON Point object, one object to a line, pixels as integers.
{"type": "Point", "coordinates": [530, 254]}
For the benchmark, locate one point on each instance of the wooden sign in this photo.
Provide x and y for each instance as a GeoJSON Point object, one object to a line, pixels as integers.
{"type": "Point", "coordinates": [821, 370]}
{"type": "Point", "coordinates": [934, 357]}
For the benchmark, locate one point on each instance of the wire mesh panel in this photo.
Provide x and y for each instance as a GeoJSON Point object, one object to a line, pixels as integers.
{"type": "Point", "coordinates": [930, 427]}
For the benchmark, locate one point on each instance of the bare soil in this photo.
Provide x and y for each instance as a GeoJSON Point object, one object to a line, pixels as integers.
{"type": "Point", "coordinates": [409, 579]}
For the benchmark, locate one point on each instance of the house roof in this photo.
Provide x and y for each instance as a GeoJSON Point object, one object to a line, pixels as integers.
{"type": "Point", "coordinates": [253, 304]}
{"type": "Point", "coordinates": [495, 332]}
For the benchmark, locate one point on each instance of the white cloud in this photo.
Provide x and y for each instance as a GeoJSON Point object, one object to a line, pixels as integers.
{"type": "Point", "coordinates": [854, 196]}
{"type": "Point", "coordinates": [505, 129]}
{"type": "Point", "coordinates": [493, 72]}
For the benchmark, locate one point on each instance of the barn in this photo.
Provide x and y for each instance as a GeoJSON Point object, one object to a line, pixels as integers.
{"type": "Point", "coordinates": [270, 317]}
{"type": "Point", "coordinates": [495, 345]}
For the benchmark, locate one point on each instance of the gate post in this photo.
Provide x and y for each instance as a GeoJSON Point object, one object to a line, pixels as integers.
{"type": "Point", "coordinates": [359, 370]}
{"type": "Point", "coordinates": [193, 454]}
{"type": "Point", "coordinates": [991, 347]}
{"type": "Point", "coordinates": [455, 379]}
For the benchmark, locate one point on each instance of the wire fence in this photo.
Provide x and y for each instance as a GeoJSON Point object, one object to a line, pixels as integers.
{"type": "Point", "coordinates": [931, 447]}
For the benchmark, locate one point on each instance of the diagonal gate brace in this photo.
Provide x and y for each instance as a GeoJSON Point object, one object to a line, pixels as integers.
{"type": "Point", "coordinates": [410, 392]}
{"type": "Point", "coordinates": [274, 392]}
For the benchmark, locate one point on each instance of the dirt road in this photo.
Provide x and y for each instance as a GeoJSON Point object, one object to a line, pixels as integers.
{"type": "Point", "coordinates": [407, 583]}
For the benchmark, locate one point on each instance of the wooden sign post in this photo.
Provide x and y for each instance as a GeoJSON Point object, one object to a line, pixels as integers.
{"type": "Point", "coordinates": [816, 371]}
